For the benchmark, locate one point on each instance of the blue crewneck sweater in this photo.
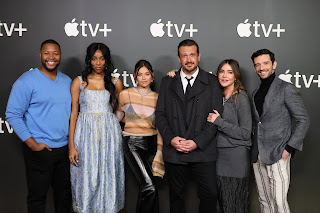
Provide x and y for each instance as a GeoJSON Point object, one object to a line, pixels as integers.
{"type": "Point", "coordinates": [39, 107]}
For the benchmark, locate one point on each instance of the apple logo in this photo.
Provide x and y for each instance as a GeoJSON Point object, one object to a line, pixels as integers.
{"type": "Point", "coordinates": [156, 29]}
{"type": "Point", "coordinates": [71, 28]}
{"type": "Point", "coordinates": [115, 74]}
{"type": "Point", "coordinates": [286, 77]}
{"type": "Point", "coordinates": [243, 29]}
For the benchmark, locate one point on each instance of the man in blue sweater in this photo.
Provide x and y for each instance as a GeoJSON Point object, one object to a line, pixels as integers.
{"type": "Point", "coordinates": [38, 109]}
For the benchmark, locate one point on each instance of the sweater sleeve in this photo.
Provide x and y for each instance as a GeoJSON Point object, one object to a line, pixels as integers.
{"type": "Point", "coordinates": [158, 168]}
{"type": "Point", "coordinates": [17, 106]}
{"type": "Point", "coordinates": [242, 129]}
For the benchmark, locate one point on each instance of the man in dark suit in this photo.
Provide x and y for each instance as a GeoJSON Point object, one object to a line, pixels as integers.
{"type": "Point", "coordinates": [275, 104]}
{"type": "Point", "coordinates": [188, 139]}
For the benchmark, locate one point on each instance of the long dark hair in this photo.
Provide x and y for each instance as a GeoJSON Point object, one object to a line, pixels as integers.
{"type": "Point", "coordinates": [108, 69]}
{"type": "Point", "coordinates": [238, 86]}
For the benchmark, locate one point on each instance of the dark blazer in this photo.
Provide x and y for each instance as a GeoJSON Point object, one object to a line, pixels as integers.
{"type": "Point", "coordinates": [188, 119]}
{"type": "Point", "coordinates": [273, 129]}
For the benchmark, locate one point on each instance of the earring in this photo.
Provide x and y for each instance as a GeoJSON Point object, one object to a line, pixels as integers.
{"type": "Point", "coordinates": [235, 81]}
{"type": "Point", "coordinates": [152, 80]}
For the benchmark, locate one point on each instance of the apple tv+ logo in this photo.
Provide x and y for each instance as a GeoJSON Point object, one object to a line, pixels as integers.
{"type": "Point", "coordinates": [297, 82]}
{"type": "Point", "coordinates": [4, 125]}
{"type": "Point", "coordinates": [156, 29]}
{"type": "Point", "coordinates": [71, 29]}
{"type": "Point", "coordinates": [10, 28]}
{"type": "Point", "coordinates": [244, 30]}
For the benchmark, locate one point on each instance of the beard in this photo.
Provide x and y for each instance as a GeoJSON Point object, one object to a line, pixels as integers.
{"type": "Point", "coordinates": [190, 70]}
{"type": "Point", "coordinates": [50, 70]}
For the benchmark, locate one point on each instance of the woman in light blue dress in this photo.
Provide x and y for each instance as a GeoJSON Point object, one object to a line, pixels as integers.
{"type": "Point", "coordinates": [95, 141]}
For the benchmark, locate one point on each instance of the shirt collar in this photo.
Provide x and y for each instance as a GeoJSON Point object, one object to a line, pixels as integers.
{"type": "Point", "coordinates": [194, 75]}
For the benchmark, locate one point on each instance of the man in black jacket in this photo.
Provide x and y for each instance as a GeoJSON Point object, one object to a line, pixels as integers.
{"type": "Point", "coordinates": [189, 140]}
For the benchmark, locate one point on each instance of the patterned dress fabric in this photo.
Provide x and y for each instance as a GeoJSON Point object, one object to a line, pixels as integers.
{"type": "Point", "coordinates": [98, 181]}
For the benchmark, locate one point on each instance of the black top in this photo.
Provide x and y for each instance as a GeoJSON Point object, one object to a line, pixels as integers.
{"type": "Point", "coordinates": [262, 92]}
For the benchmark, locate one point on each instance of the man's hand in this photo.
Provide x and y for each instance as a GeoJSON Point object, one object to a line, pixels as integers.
{"type": "Point", "coordinates": [40, 146]}
{"type": "Point", "coordinates": [176, 142]}
{"type": "Point", "coordinates": [34, 146]}
{"type": "Point", "coordinates": [183, 145]}
{"type": "Point", "coordinates": [188, 146]}
{"type": "Point", "coordinates": [285, 155]}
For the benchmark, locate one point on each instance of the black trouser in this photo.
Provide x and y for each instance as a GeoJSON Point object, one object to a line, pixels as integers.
{"type": "Point", "coordinates": [45, 168]}
{"type": "Point", "coordinates": [139, 152]}
{"type": "Point", "coordinates": [205, 175]}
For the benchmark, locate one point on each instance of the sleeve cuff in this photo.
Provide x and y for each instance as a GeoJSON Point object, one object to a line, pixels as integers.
{"type": "Point", "coordinates": [24, 135]}
{"type": "Point", "coordinates": [289, 149]}
{"type": "Point", "coordinates": [218, 121]}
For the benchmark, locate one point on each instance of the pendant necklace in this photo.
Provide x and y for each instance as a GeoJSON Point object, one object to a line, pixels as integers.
{"type": "Point", "coordinates": [143, 94]}
{"type": "Point", "coordinates": [224, 100]}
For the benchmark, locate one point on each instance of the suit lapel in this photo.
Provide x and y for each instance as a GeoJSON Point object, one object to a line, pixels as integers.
{"type": "Point", "coordinates": [256, 114]}
{"type": "Point", "coordinates": [273, 90]}
{"type": "Point", "coordinates": [176, 86]}
{"type": "Point", "coordinates": [199, 84]}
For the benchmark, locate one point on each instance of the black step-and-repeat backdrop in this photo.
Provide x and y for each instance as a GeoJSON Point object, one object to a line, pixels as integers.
{"type": "Point", "coordinates": [136, 29]}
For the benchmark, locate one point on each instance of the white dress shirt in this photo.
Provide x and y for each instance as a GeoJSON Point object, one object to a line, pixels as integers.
{"type": "Point", "coordinates": [185, 81]}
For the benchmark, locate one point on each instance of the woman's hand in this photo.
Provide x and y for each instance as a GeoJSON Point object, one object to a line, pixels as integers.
{"type": "Point", "coordinates": [213, 116]}
{"type": "Point", "coordinates": [172, 73]}
{"type": "Point", "coordinates": [73, 156]}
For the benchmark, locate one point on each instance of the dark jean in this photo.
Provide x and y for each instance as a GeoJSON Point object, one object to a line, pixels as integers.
{"type": "Point", "coordinates": [139, 152]}
{"type": "Point", "coordinates": [44, 169]}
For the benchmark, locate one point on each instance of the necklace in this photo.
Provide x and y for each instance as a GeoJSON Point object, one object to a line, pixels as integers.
{"type": "Point", "coordinates": [224, 100]}
{"type": "Point", "coordinates": [142, 94]}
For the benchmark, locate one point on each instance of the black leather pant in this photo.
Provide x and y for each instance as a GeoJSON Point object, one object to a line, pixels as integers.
{"type": "Point", "coordinates": [139, 152]}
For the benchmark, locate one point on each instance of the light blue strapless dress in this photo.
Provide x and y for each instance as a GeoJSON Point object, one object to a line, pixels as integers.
{"type": "Point", "coordinates": [98, 181]}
